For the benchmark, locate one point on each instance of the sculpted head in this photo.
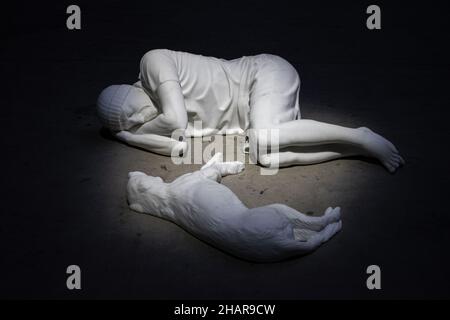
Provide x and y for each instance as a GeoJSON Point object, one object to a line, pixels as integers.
{"type": "Point", "coordinates": [147, 193]}
{"type": "Point", "coordinates": [121, 107]}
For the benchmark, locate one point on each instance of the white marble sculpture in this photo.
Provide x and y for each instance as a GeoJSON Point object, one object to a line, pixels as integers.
{"type": "Point", "coordinates": [201, 205]}
{"type": "Point", "coordinates": [229, 96]}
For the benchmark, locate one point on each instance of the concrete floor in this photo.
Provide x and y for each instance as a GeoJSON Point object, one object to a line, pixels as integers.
{"type": "Point", "coordinates": [64, 181]}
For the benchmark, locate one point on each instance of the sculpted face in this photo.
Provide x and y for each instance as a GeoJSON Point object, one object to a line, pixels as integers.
{"type": "Point", "coordinates": [138, 107]}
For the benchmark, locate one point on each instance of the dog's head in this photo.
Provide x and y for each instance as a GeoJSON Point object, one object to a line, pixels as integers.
{"type": "Point", "coordinates": [146, 193]}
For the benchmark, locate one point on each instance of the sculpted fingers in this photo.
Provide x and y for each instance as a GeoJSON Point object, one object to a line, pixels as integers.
{"type": "Point", "coordinates": [123, 135]}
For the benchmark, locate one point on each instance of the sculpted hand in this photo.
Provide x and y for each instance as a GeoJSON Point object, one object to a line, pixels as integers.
{"type": "Point", "coordinates": [123, 136]}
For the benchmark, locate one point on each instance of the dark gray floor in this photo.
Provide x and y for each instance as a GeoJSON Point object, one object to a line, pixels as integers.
{"type": "Point", "coordinates": [64, 180]}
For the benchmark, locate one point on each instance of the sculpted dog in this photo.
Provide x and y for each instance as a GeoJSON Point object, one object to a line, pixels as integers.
{"type": "Point", "coordinates": [210, 211]}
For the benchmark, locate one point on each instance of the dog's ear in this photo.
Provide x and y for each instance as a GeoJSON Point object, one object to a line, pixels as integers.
{"type": "Point", "coordinates": [135, 173]}
{"type": "Point", "coordinates": [136, 207]}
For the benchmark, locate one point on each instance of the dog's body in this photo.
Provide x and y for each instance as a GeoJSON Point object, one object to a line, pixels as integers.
{"type": "Point", "coordinates": [201, 205]}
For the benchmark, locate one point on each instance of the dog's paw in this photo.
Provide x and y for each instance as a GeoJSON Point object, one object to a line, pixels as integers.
{"type": "Point", "coordinates": [217, 158]}
{"type": "Point", "coordinates": [235, 167]}
{"type": "Point", "coordinates": [239, 167]}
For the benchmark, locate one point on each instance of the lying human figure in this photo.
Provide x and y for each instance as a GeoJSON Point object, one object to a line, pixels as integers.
{"type": "Point", "coordinates": [229, 97]}
{"type": "Point", "coordinates": [210, 211]}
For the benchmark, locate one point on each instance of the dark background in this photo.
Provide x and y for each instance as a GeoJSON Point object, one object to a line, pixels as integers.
{"type": "Point", "coordinates": [54, 206]}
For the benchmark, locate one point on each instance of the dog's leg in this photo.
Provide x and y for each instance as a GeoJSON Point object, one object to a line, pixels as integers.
{"type": "Point", "coordinates": [307, 240]}
{"type": "Point", "coordinates": [304, 221]}
{"type": "Point", "coordinates": [307, 228]}
{"type": "Point", "coordinates": [221, 168]}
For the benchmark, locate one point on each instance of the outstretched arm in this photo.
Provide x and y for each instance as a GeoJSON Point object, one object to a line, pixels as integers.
{"type": "Point", "coordinates": [154, 143]}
